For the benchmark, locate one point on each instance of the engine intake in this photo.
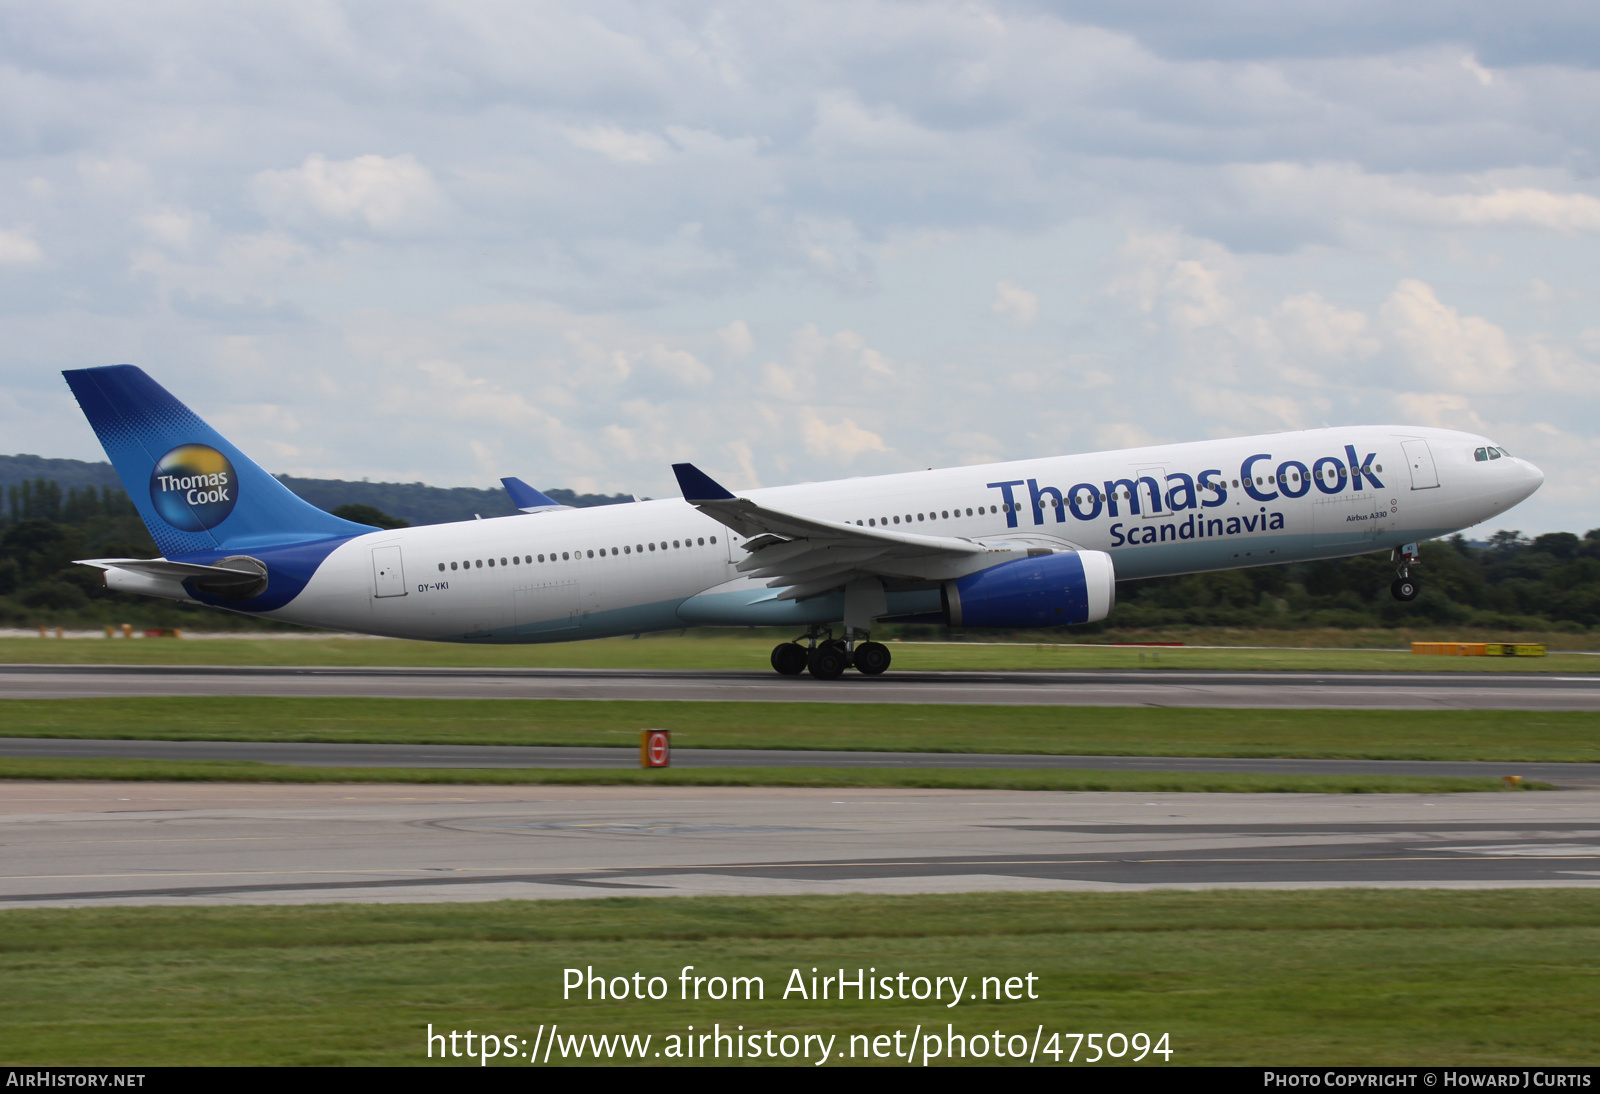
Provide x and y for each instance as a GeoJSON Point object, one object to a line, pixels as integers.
{"type": "Point", "coordinates": [1054, 590]}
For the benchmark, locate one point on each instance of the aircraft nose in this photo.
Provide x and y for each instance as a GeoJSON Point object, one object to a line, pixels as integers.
{"type": "Point", "coordinates": [1533, 477]}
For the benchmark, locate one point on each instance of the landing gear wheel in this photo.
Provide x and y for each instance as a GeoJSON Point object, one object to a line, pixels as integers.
{"type": "Point", "coordinates": [789, 658]}
{"type": "Point", "coordinates": [828, 661]}
{"type": "Point", "coordinates": [872, 658]}
{"type": "Point", "coordinates": [1404, 589]}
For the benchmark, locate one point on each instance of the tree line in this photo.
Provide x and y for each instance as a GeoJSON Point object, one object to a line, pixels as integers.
{"type": "Point", "coordinates": [1509, 583]}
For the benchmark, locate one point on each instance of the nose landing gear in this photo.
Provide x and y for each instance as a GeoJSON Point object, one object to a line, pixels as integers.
{"type": "Point", "coordinates": [1404, 587]}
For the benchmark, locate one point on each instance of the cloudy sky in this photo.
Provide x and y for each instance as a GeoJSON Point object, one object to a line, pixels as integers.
{"type": "Point", "coordinates": [788, 241]}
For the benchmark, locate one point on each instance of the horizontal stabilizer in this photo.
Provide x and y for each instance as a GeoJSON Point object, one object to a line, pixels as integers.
{"type": "Point", "coordinates": [240, 578]}
{"type": "Point", "coordinates": [162, 567]}
{"type": "Point", "coordinates": [527, 499]}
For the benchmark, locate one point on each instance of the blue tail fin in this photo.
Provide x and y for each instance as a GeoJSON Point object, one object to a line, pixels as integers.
{"type": "Point", "coordinates": [195, 491]}
{"type": "Point", "coordinates": [528, 499]}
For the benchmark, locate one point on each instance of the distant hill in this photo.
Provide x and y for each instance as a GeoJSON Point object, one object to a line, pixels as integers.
{"type": "Point", "coordinates": [419, 504]}
{"type": "Point", "coordinates": [69, 473]}
{"type": "Point", "coordinates": [412, 502]}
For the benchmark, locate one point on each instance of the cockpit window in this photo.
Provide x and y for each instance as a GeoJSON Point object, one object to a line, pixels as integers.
{"type": "Point", "coordinates": [1480, 454]}
{"type": "Point", "coordinates": [1503, 452]}
{"type": "Point", "coordinates": [1494, 453]}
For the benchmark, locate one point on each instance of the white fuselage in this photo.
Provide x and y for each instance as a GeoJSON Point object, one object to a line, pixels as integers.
{"type": "Point", "coordinates": [654, 565]}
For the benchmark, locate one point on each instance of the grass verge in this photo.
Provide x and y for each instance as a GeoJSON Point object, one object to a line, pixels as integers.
{"type": "Point", "coordinates": [1326, 978]}
{"type": "Point", "coordinates": [743, 650]}
{"type": "Point", "coordinates": [922, 778]}
{"type": "Point", "coordinates": [1563, 736]}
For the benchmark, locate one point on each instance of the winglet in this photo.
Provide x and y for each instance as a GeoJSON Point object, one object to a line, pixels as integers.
{"type": "Point", "coordinates": [697, 485]}
{"type": "Point", "coordinates": [527, 499]}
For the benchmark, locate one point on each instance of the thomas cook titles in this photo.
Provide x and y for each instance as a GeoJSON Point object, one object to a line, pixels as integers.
{"type": "Point", "coordinates": [1181, 495]}
{"type": "Point", "coordinates": [194, 487]}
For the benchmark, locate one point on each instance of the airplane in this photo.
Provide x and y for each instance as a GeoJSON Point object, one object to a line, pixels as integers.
{"type": "Point", "coordinates": [1022, 544]}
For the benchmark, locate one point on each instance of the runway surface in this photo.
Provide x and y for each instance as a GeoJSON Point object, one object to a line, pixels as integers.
{"type": "Point", "coordinates": [121, 843]}
{"type": "Point", "coordinates": [1371, 691]}
{"type": "Point", "coordinates": [522, 756]}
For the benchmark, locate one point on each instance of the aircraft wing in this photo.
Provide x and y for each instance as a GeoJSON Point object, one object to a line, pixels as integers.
{"type": "Point", "coordinates": [805, 555]}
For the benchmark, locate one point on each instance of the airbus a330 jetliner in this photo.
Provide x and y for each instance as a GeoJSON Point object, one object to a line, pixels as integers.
{"type": "Point", "coordinates": [1033, 543]}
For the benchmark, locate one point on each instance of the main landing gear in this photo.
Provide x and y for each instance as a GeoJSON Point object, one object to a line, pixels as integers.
{"type": "Point", "coordinates": [1405, 587]}
{"type": "Point", "coordinates": [827, 657]}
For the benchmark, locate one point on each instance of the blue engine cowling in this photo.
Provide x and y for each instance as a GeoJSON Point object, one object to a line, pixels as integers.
{"type": "Point", "coordinates": [1054, 590]}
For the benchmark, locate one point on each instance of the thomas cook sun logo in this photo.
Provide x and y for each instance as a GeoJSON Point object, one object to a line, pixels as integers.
{"type": "Point", "coordinates": [194, 487]}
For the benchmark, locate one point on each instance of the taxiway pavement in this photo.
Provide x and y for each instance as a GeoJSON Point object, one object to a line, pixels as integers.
{"type": "Point", "coordinates": [154, 843]}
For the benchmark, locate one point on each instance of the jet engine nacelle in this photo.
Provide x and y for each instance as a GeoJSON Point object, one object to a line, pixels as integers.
{"type": "Point", "coordinates": [1054, 590]}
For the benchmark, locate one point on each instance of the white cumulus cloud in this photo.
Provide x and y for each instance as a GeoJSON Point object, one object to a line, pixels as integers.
{"type": "Point", "coordinates": [1016, 302]}
{"type": "Point", "coordinates": [1457, 352]}
{"type": "Point", "coordinates": [18, 249]}
{"type": "Point", "coordinates": [842, 442]}
{"type": "Point", "coordinates": [387, 194]}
